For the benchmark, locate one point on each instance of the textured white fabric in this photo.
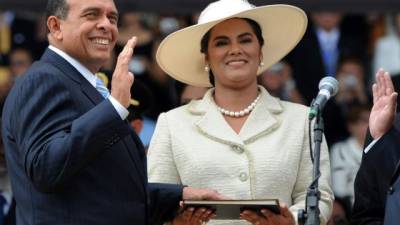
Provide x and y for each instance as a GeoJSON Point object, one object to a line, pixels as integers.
{"type": "Point", "coordinates": [194, 145]}
{"type": "Point", "coordinates": [345, 162]}
{"type": "Point", "coordinates": [387, 55]}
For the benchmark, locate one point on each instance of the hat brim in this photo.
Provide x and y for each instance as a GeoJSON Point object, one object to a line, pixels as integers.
{"type": "Point", "coordinates": [282, 26]}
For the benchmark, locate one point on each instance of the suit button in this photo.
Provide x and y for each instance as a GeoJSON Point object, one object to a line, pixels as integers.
{"type": "Point", "coordinates": [390, 191]}
{"type": "Point", "coordinates": [243, 177]}
{"type": "Point", "coordinates": [237, 149]}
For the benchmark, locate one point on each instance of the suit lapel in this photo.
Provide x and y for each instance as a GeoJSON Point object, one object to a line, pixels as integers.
{"type": "Point", "coordinates": [71, 72]}
{"type": "Point", "coordinates": [263, 119]}
{"type": "Point", "coordinates": [91, 92]}
{"type": "Point", "coordinates": [260, 122]}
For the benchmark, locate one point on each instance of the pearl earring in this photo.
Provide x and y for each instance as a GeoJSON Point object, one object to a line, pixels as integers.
{"type": "Point", "coordinates": [261, 64]}
{"type": "Point", "coordinates": [207, 69]}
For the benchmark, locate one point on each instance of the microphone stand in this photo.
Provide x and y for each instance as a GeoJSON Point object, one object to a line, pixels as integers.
{"type": "Point", "coordinates": [310, 216]}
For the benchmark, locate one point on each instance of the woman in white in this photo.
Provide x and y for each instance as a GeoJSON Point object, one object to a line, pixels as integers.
{"type": "Point", "coordinates": [238, 140]}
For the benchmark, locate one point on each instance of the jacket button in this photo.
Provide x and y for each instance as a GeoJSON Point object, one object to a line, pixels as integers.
{"type": "Point", "coordinates": [243, 177]}
{"type": "Point", "coordinates": [390, 191]}
{"type": "Point", "coordinates": [237, 149]}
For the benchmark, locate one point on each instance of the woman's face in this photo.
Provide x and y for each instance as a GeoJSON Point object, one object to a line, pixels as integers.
{"type": "Point", "coordinates": [234, 53]}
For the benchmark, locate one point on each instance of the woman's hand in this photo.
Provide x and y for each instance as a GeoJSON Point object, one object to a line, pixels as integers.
{"type": "Point", "coordinates": [268, 217]}
{"type": "Point", "coordinates": [192, 216]}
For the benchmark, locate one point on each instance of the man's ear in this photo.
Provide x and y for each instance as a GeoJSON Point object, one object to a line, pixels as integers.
{"type": "Point", "coordinates": [54, 26]}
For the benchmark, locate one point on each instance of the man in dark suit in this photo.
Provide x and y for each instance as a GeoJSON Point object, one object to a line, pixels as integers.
{"type": "Point", "coordinates": [380, 157]}
{"type": "Point", "coordinates": [72, 157]}
{"type": "Point", "coordinates": [317, 55]}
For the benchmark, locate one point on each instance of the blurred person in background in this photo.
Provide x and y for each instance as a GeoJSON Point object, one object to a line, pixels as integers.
{"type": "Point", "coordinates": [318, 55]}
{"type": "Point", "coordinates": [279, 83]}
{"type": "Point", "coordinates": [319, 52]}
{"type": "Point", "coordinates": [387, 50]}
{"type": "Point", "coordinates": [16, 30]}
{"type": "Point", "coordinates": [346, 155]}
{"type": "Point", "coordinates": [351, 78]}
{"type": "Point", "coordinates": [133, 23]}
{"type": "Point", "coordinates": [162, 86]}
{"type": "Point", "coordinates": [20, 60]}
{"type": "Point", "coordinates": [6, 82]}
{"type": "Point", "coordinates": [187, 93]}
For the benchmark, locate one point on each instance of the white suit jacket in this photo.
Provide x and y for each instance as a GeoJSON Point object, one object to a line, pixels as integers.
{"type": "Point", "coordinates": [269, 158]}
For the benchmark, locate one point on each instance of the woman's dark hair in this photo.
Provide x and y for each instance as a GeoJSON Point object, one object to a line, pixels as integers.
{"type": "Point", "coordinates": [204, 42]}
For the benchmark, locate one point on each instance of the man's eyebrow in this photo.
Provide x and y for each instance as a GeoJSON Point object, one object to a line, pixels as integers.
{"type": "Point", "coordinates": [113, 13]}
{"type": "Point", "coordinates": [90, 9]}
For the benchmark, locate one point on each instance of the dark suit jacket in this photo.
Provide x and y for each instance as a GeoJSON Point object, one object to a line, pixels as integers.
{"type": "Point", "coordinates": [9, 218]}
{"type": "Point", "coordinates": [307, 64]}
{"type": "Point", "coordinates": [374, 177]}
{"type": "Point", "coordinates": [71, 158]}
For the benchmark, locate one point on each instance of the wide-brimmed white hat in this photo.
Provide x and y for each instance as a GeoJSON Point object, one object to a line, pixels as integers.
{"type": "Point", "coordinates": [282, 28]}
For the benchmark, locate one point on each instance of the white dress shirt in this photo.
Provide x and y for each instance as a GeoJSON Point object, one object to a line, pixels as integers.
{"type": "Point", "coordinates": [89, 76]}
{"type": "Point", "coordinates": [328, 39]}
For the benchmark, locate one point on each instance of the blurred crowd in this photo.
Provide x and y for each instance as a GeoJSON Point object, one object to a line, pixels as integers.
{"type": "Point", "coordinates": [348, 47]}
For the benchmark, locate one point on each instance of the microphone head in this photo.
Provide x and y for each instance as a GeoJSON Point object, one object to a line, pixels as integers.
{"type": "Point", "coordinates": [329, 83]}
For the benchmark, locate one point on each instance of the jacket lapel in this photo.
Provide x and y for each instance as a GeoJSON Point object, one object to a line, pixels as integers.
{"type": "Point", "coordinates": [71, 72]}
{"type": "Point", "coordinates": [91, 92]}
{"type": "Point", "coordinates": [260, 122]}
{"type": "Point", "coordinates": [263, 119]}
{"type": "Point", "coordinates": [211, 123]}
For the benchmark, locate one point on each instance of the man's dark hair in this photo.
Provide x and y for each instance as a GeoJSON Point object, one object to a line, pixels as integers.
{"type": "Point", "coordinates": [204, 42]}
{"type": "Point", "coordinates": [58, 8]}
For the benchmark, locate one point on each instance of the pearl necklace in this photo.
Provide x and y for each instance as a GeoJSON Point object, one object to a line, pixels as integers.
{"type": "Point", "coordinates": [240, 113]}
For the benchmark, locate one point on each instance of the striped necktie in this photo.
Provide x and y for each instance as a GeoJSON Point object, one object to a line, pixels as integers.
{"type": "Point", "coordinates": [102, 88]}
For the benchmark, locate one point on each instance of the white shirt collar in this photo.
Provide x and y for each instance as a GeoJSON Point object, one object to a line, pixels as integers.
{"type": "Point", "coordinates": [77, 65]}
{"type": "Point", "coordinates": [328, 39]}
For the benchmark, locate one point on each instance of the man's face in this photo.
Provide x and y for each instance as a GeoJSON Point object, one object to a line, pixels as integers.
{"type": "Point", "coordinates": [89, 31]}
{"type": "Point", "coordinates": [326, 20]}
{"type": "Point", "coordinates": [20, 61]}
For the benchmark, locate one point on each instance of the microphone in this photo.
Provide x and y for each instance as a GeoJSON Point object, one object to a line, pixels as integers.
{"type": "Point", "coordinates": [328, 87]}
